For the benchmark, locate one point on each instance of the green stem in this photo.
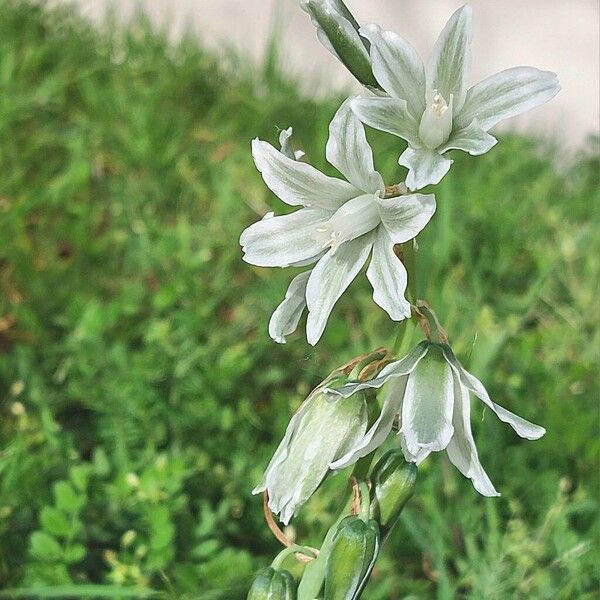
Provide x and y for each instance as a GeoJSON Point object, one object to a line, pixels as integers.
{"type": "Point", "coordinates": [404, 334]}
{"type": "Point", "coordinates": [409, 254]}
{"type": "Point", "coordinates": [406, 327]}
{"type": "Point", "coordinates": [314, 573]}
{"type": "Point", "coordinates": [365, 501]}
{"type": "Point", "coordinates": [293, 549]}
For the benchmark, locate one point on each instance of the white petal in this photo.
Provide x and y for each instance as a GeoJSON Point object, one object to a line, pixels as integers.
{"type": "Point", "coordinates": [461, 449]}
{"type": "Point", "coordinates": [450, 63]}
{"type": "Point", "coordinates": [417, 458]}
{"type": "Point", "coordinates": [298, 183]}
{"type": "Point", "coordinates": [329, 279]}
{"type": "Point", "coordinates": [355, 218]}
{"type": "Point", "coordinates": [349, 152]}
{"type": "Point", "coordinates": [398, 368]}
{"type": "Point", "coordinates": [388, 114]}
{"type": "Point", "coordinates": [397, 67]}
{"type": "Point", "coordinates": [284, 320]}
{"type": "Point", "coordinates": [388, 277]}
{"type": "Point", "coordinates": [507, 94]}
{"type": "Point", "coordinates": [428, 404]}
{"type": "Point", "coordinates": [285, 141]}
{"type": "Point", "coordinates": [472, 139]}
{"type": "Point", "coordinates": [425, 167]}
{"type": "Point", "coordinates": [380, 429]}
{"type": "Point", "coordinates": [523, 427]}
{"type": "Point", "coordinates": [284, 240]}
{"type": "Point", "coordinates": [283, 449]}
{"type": "Point", "coordinates": [405, 216]}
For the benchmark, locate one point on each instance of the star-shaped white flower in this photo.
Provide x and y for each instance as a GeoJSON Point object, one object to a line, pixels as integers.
{"type": "Point", "coordinates": [432, 109]}
{"type": "Point", "coordinates": [428, 391]}
{"type": "Point", "coordinates": [339, 225]}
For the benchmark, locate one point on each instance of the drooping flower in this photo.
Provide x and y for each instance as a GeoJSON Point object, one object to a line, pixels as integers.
{"type": "Point", "coordinates": [432, 109]}
{"type": "Point", "coordinates": [325, 428]}
{"type": "Point", "coordinates": [321, 431]}
{"type": "Point", "coordinates": [428, 391]}
{"type": "Point", "coordinates": [339, 225]}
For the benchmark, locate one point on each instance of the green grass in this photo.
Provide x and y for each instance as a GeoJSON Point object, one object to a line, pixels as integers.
{"type": "Point", "coordinates": [141, 396]}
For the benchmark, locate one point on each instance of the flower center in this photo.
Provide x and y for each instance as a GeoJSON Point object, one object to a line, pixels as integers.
{"type": "Point", "coordinates": [355, 218]}
{"type": "Point", "coordinates": [436, 122]}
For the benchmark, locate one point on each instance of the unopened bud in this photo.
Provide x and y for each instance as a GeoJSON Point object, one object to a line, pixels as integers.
{"type": "Point", "coordinates": [393, 483]}
{"type": "Point", "coordinates": [337, 30]}
{"type": "Point", "coordinates": [273, 584]}
{"type": "Point", "coordinates": [353, 554]}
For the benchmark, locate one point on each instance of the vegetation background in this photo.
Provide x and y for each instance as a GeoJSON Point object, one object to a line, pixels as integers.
{"type": "Point", "coordinates": [140, 395]}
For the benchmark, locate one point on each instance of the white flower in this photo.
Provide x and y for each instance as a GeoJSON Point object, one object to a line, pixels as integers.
{"type": "Point", "coordinates": [432, 109]}
{"type": "Point", "coordinates": [321, 431]}
{"type": "Point", "coordinates": [339, 225]}
{"type": "Point", "coordinates": [428, 390]}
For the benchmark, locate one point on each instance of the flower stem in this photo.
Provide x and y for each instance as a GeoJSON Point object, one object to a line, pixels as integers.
{"type": "Point", "coordinates": [293, 549]}
{"type": "Point", "coordinates": [406, 327]}
{"type": "Point", "coordinates": [365, 501]}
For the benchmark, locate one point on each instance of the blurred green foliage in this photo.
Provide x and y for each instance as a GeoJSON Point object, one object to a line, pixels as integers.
{"type": "Point", "coordinates": [140, 395]}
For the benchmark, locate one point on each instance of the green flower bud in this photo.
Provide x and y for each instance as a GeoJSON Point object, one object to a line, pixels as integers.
{"type": "Point", "coordinates": [393, 483]}
{"type": "Point", "coordinates": [338, 31]}
{"type": "Point", "coordinates": [273, 584]}
{"type": "Point", "coordinates": [351, 559]}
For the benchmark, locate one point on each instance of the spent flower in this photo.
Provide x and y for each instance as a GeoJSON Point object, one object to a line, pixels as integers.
{"type": "Point", "coordinates": [339, 225]}
{"type": "Point", "coordinates": [432, 109]}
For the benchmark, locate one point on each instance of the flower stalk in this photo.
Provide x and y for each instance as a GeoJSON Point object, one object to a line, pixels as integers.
{"type": "Point", "coordinates": [421, 397]}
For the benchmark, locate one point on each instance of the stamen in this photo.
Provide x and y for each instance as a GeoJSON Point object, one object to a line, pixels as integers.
{"type": "Point", "coordinates": [436, 123]}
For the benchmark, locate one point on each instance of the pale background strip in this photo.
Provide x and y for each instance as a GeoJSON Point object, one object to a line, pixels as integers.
{"type": "Point", "coordinates": [558, 35]}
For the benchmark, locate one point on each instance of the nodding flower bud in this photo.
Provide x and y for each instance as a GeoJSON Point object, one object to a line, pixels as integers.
{"type": "Point", "coordinates": [337, 30]}
{"type": "Point", "coordinates": [273, 584]}
{"type": "Point", "coordinates": [322, 430]}
{"type": "Point", "coordinates": [325, 428]}
{"type": "Point", "coordinates": [353, 554]}
{"type": "Point", "coordinates": [393, 483]}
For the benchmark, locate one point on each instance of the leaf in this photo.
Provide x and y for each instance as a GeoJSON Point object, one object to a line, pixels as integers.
{"type": "Point", "coordinates": [62, 592]}
{"type": "Point", "coordinates": [206, 549]}
{"type": "Point", "coordinates": [66, 497]}
{"type": "Point", "coordinates": [75, 553]}
{"type": "Point", "coordinates": [54, 521]}
{"type": "Point", "coordinates": [79, 476]}
{"type": "Point", "coordinates": [44, 546]}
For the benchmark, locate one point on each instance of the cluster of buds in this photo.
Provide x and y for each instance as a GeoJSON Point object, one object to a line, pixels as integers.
{"type": "Point", "coordinates": [341, 225]}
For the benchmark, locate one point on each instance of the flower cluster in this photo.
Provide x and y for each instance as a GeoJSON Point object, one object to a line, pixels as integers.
{"type": "Point", "coordinates": [339, 225]}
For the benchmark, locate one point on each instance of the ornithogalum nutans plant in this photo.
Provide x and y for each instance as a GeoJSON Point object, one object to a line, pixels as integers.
{"type": "Point", "coordinates": [421, 401]}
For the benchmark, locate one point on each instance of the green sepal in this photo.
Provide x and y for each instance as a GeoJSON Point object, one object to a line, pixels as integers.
{"type": "Point", "coordinates": [351, 559]}
{"type": "Point", "coordinates": [393, 483]}
{"type": "Point", "coordinates": [273, 584]}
